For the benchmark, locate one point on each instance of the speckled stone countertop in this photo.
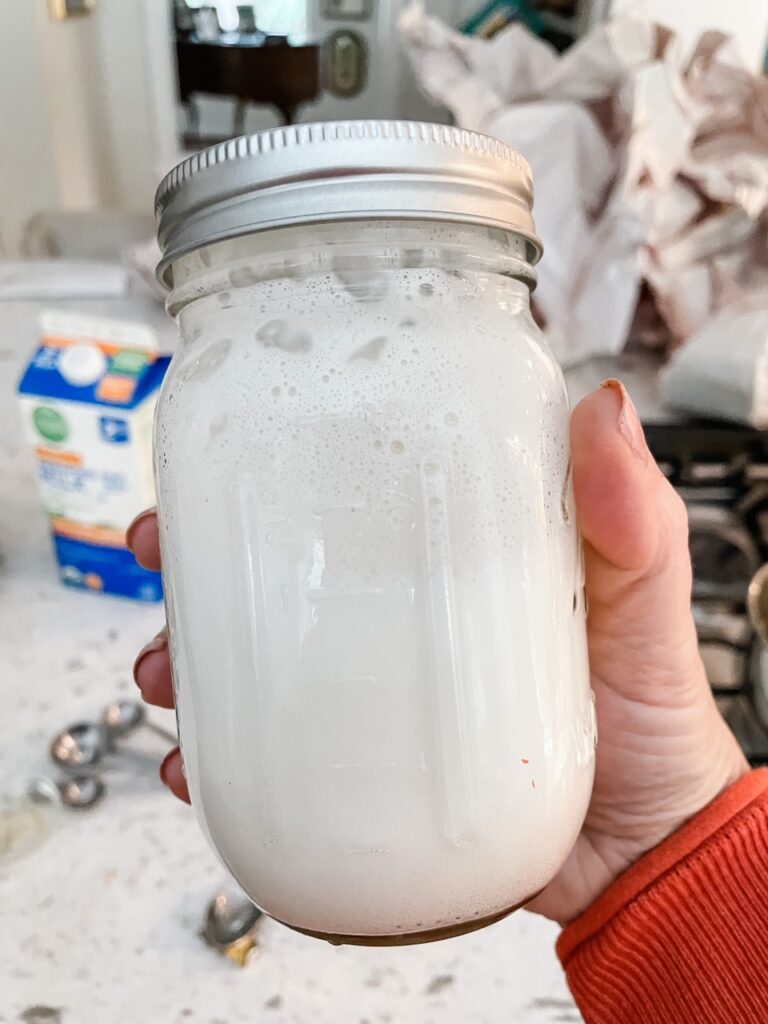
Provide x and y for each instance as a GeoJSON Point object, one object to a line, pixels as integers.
{"type": "Point", "coordinates": [100, 923]}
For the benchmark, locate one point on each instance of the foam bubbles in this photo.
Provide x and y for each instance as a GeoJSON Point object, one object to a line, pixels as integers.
{"type": "Point", "coordinates": [284, 335]}
{"type": "Point", "coordinates": [363, 284]}
{"type": "Point", "coordinates": [371, 350]}
{"type": "Point", "coordinates": [210, 360]}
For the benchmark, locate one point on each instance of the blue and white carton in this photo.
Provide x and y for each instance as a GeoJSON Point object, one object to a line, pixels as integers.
{"type": "Point", "coordinates": [87, 401]}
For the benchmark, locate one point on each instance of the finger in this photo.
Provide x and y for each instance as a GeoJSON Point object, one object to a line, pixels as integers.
{"type": "Point", "coordinates": [143, 538]}
{"type": "Point", "coordinates": [172, 774]}
{"type": "Point", "coordinates": [152, 672]}
{"type": "Point", "coordinates": [616, 482]}
{"type": "Point", "coordinates": [628, 512]}
{"type": "Point", "coordinates": [636, 551]}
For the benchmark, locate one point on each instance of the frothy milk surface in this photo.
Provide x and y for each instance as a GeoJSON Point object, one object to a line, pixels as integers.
{"type": "Point", "coordinates": [375, 595]}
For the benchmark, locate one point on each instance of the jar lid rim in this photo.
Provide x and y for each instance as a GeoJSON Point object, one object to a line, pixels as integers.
{"type": "Point", "coordinates": [343, 170]}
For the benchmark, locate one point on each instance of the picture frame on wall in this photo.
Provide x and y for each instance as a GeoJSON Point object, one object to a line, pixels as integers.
{"type": "Point", "coordinates": [60, 10]}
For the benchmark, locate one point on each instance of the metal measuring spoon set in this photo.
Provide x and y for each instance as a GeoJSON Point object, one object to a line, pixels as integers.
{"type": "Point", "coordinates": [83, 753]}
{"type": "Point", "coordinates": [85, 750]}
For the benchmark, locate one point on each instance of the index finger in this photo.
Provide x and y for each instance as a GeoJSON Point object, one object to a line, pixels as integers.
{"type": "Point", "coordinates": [143, 538]}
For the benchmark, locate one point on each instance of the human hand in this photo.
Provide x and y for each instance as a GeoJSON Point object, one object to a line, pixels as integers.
{"type": "Point", "coordinates": [152, 668]}
{"type": "Point", "coordinates": [663, 752]}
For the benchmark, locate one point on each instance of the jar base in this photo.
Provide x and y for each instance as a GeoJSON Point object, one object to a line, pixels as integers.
{"type": "Point", "coordinates": [416, 938]}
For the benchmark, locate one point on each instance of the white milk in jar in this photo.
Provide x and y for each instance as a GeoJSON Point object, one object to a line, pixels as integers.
{"type": "Point", "coordinates": [373, 575]}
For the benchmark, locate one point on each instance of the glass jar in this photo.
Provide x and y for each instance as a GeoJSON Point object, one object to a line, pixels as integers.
{"type": "Point", "coordinates": [373, 575]}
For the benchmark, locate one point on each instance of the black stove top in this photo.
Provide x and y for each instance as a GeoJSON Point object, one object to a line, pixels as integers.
{"type": "Point", "coordinates": [721, 471]}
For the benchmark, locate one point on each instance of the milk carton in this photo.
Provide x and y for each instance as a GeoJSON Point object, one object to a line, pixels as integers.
{"type": "Point", "coordinates": [87, 399]}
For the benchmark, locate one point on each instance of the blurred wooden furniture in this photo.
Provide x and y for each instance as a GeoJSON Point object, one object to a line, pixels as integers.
{"type": "Point", "coordinates": [251, 69]}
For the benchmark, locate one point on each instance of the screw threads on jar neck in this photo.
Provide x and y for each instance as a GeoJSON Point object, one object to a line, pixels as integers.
{"type": "Point", "coordinates": [343, 248]}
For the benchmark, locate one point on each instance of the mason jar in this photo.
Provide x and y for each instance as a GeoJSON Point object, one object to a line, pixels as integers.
{"type": "Point", "coordinates": [373, 574]}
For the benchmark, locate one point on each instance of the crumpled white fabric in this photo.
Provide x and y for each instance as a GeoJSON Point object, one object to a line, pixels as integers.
{"type": "Point", "coordinates": [651, 173]}
{"type": "Point", "coordinates": [722, 370]}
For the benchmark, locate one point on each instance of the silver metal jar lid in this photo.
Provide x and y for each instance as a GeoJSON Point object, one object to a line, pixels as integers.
{"type": "Point", "coordinates": [343, 170]}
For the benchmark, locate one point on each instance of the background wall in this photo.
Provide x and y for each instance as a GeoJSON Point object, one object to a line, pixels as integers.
{"type": "Point", "coordinates": [133, 45]}
{"type": "Point", "coordinates": [92, 102]}
{"type": "Point", "coordinates": [31, 140]}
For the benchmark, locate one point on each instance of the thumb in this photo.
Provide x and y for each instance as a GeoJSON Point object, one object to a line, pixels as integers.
{"type": "Point", "coordinates": [635, 530]}
{"type": "Point", "coordinates": [620, 492]}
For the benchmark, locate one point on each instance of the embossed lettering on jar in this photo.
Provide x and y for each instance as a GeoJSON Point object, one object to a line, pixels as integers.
{"type": "Point", "coordinates": [373, 574]}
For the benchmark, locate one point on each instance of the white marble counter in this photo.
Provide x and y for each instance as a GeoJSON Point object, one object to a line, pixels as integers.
{"type": "Point", "coordinates": [100, 923]}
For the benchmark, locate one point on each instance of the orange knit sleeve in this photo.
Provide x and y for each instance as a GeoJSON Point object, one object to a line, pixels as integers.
{"type": "Point", "coordinates": [682, 936]}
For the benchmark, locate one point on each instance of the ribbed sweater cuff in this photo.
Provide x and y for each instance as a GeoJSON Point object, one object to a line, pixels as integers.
{"type": "Point", "coordinates": [682, 936]}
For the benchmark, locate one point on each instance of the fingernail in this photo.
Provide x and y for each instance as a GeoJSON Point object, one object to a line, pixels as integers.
{"type": "Point", "coordinates": [629, 422]}
{"type": "Point", "coordinates": [164, 766]}
{"type": "Point", "coordinates": [136, 523]}
{"type": "Point", "coordinates": [158, 643]}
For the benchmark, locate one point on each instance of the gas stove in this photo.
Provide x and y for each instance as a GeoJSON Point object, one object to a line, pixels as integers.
{"type": "Point", "coordinates": [721, 472]}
